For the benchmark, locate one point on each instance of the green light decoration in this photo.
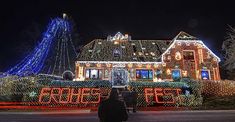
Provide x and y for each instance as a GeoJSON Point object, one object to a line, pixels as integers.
{"type": "Point", "coordinates": [32, 94]}
{"type": "Point", "coordinates": [22, 89]}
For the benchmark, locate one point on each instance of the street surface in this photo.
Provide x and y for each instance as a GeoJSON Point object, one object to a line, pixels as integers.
{"type": "Point", "coordinates": [140, 116]}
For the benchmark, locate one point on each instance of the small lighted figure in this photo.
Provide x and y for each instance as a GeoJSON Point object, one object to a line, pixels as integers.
{"type": "Point", "coordinates": [32, 94]}
{"type": "Point", "coordinates": [148, 66]}
{"type": "Point", "coordinates": [129, 65]}
{"type": "Point", "coordinates": [185, 73]}
{"type": "Point", "coordinates": [98, 65]}
{"type": "Point", "coordinates": [108, 65]}
{"type": "Point", "coordinates": [178, 56]}
{"type": "Point", "coordinates": [168, 71]}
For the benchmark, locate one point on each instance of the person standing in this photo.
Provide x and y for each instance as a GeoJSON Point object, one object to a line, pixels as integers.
{"type": "Point", "coordinates": [134, 99]}
{"type": "Point", "coordinates": [112, 109]}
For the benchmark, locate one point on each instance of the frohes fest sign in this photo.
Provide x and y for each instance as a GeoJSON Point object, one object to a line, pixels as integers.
{"type": "Point", "coordinates": [57, 95]}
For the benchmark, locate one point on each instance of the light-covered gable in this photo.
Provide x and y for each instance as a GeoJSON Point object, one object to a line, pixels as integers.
{"type": "Point", "coordinates": [183, 37]}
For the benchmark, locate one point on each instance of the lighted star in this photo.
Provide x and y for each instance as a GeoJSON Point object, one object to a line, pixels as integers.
{"type": "Point", "coordinates": [32, 94]}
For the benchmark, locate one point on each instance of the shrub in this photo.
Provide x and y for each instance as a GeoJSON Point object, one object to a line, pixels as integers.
{"type": "Point", "coordinates": [193, 99]}
{"type": "Point", "coordinates": [218, 88]}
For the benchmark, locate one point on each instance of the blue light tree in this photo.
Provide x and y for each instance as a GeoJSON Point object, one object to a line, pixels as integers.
{"type": "Point", "coordinates": [57, 39]}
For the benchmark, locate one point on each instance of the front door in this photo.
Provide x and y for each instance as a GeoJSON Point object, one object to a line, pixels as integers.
{"type": "Point", "coordinates": [119, 77]}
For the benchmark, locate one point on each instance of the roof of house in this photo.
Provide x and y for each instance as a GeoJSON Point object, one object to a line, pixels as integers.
{"type": "Point", "coordinates": [122, 48]}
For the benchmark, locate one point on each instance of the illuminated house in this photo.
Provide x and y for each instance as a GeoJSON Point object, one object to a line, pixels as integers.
{"type": "Point", "coordinates": [121, 59]}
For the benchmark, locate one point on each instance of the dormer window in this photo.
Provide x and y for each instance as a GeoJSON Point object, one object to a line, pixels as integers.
{"type": "Point", "coordinates": [116, 53]}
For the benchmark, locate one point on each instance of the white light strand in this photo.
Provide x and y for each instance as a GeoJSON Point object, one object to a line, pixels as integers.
{"type": "Point", "coordinates": [197, 41]}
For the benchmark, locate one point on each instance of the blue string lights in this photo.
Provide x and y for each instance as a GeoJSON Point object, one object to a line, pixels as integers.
{"type": "Point", "coordinates": [34, 62]}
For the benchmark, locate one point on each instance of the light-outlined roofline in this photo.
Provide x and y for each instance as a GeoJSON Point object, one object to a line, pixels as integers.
{"type": "Point", "coordinates": [186, 40]}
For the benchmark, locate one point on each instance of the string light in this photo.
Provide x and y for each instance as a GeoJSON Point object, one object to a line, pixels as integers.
{"type": "Point", "coordinates": [34, 62]}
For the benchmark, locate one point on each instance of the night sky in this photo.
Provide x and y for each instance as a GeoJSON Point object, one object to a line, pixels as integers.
{"type": "Point", "coordinates": [22, 21]}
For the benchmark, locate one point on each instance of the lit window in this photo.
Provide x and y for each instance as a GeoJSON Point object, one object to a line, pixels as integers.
{"type": "Point", "coordinates": [106, 73]}
{"type": "Point", "coordinates": [175, 74]}
{"type": "Point", "coordinates": [158, 73]}
{"type": "Point", "coordinates": [205, 74]}
{"type": "Point", "coordinates": [116, 53]}
{"type": "Point", "coordinates": [144, 74]}
{"type": "Point", "coordinates": [93, 74]}
{"type": "Point", "coordinates": [188, 55]}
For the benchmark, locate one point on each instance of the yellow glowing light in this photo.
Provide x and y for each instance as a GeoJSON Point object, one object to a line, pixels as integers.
{"type": "Point", "coordinates": [130, 65]}
{"type": "Point", "coordinates": [152, 53]}
{"type": "Point", "coordinates": [108, 65]}
{"type": "Point", "coordinates": [80, 73]}
{"type": "Point", "coordinates": [168, 57]}
{"type": "Point", "coordinates": [185, 73]}
{"type": "Point", "coordinates": [168, 71]}
{"type": "Point", "coordinates": [199, 45]}
{"type": "Point", "coordinates": [148, 66]}
{"type": "Point", "coordinates": [155, 80]}
{"type": "Point", "coordinates": [139, 65]}
{"type": "Point", "coordinates": [200, 56]}
{"type": "Point", "coordinates": [98, 65]}
{"type": "Point", "coordinates": [87, 65]}
{"type": "Point", "coordinates": [178, 55]}
{"type": "Point", "coordinates": [155, 66]}
{"type": "Point", "coordinates": [116, 42]}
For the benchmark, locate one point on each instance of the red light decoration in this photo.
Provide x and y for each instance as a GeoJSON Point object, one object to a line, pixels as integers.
{"type": "Point", "coordinates": [67, 95]}
{"type": "Point", "coordinates": [160, 93]}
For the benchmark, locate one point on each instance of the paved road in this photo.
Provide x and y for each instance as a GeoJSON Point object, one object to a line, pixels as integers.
{"type": "Point", "coordinates": [150, 116]}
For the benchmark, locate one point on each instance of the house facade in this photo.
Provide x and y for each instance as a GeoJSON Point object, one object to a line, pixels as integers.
{"type": "Point", "coordinates": [120, 60]}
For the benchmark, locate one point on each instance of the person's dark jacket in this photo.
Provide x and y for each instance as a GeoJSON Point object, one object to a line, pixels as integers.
{"type": "Point", "coordinates": [112, 110]}
{"type": "Point", "coordinates": [134, 97]}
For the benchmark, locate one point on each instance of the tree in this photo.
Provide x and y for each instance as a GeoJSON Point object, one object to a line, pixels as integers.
{"type": "Point", "coordinates": [228, 49]}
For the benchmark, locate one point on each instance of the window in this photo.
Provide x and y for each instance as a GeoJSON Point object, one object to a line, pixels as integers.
{"type": "Point", "coordinates": [116, 53]}
{"type": "Point", "coordinates": [106, 73]}
{"type": "Point", "coordinates": [205, 74]}
{"type": "Point", "coordinates": [175, 74]}
{"type": "Point", "coordinates": [188, 55]}
{"type": "Point", "coordinates": [144, 74]}
{"type": "Point", "coordinates": [158, 73]}
{"type": "Point", "coordinates": [93, 74]}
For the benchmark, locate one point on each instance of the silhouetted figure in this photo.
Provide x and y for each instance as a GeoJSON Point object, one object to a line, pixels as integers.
{"type": "Point", "coordinates": [112, 109]}
{"type": "Point", "coordinates": [134, 99]}
{"type": "Point", "coordinates": [126, 94]}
